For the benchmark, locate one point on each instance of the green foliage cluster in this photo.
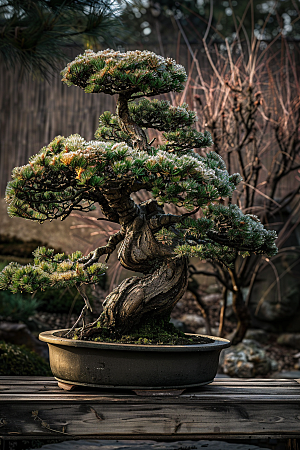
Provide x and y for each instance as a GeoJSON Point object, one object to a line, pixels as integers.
{"type": "Point", "coordinates": [19, 361]}
{"type": "Point", "coordinates": [220, 235]}
{"type": "Point", "coordinates": [16, 307]}
{"type": "Point", "coordinates": [183, 140]}
{"type": "Point", "coordinates": [39, 190]}
{"type": "Point", "coordinates": [137, 73]}
{"type": "Point", "coordinates": [175, 121]}
{"type": "Point", "coordinates": [243, 230]}
{"type": "Point", "coordinates": [110, 130]}
{"type": "Point", "coordinates": [36, 33]}
{"type": "Point", "coordinates": [48, 271]}
{"type": "Point", "coordinates": [70, 170]}
{"type": "Point", "coordinates": [161, 115]}
{"type": "Point", "coordinates": [19, 307]}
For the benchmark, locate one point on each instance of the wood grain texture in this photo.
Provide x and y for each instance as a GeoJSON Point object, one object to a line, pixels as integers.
{"type": "Point", "coordinates": [228, 408]}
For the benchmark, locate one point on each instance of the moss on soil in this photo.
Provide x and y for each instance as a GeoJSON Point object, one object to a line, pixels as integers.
{"type": "Point", "coordinates": [159, 331]}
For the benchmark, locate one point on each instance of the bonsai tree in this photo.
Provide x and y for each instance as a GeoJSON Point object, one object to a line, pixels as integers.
{"type": "Point", "coordinates": [72, 174]}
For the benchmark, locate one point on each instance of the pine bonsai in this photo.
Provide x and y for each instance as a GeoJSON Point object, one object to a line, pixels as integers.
{"type": "Point", "coordinates": [72, 174]}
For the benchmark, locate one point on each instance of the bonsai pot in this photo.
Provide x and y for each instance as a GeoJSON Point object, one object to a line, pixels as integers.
{"type": "Point", "coordinates": [132, 366]}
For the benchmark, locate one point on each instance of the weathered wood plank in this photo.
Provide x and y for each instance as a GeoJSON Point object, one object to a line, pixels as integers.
{"type": "Point", "coordinates": [212, 387]}
{"type": "Point", "coordinates": [44, 394]}
{"type": "Point", "coordinates": [253, 382]}
{"type": "Point", "coordinates": [228, 382]}
{"type": "Point", "coordinates": [290, 399]}
{"type": "Point", "coordinates": [227, 408]}
{"type": "Point", "coordinates": [16, 395]}
{"type": "Point", "coordinates": [158, 419]}
{"type": "Point", "coordinates": [26, 390]}
{"type": "Point", "coordinates": [27, 378]}
{"type": "Point", "coordinates": [52, 392]}
{"type": "Point", "coordinates": [15, 437]}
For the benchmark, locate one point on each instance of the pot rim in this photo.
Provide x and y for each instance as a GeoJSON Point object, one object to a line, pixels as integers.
{"type": "Point", "coordinates": [52, 337]}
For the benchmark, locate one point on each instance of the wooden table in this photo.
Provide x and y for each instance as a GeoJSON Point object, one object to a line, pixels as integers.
{"type": "Point", "coordinates": [35, 407]}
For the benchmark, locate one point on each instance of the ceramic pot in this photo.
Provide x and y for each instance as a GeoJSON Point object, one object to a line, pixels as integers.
{"type": "Point", "coordinates": [131, 366]}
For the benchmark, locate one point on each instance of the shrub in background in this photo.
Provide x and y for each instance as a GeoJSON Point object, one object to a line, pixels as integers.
{"type": "Point", "coordinates": [19, 361]}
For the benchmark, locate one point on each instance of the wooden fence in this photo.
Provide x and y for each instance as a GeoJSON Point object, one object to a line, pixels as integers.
{"type": "Point", "coordinates": [33, 113]}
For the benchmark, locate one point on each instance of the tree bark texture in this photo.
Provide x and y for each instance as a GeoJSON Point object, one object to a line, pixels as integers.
{"type": "Point", "coordinates": [136, 133]}
{"type": "Point", "coordinates": [240, 309]}
{"type": "Point", "coordinates": [153, 295]}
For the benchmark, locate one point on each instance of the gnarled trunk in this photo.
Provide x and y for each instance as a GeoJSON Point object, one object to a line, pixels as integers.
{"type": "Point", "coordinates": [151, 296]}
{"type": "Point", "coordinates": [156, 293]}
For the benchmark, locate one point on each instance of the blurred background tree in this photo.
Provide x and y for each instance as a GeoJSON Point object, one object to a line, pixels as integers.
{"type": "Point", "coordinates": [155, 22]}
{"type": "Point", "coordinates": [36, 33]}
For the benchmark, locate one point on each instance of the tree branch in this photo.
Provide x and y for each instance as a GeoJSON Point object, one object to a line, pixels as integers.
{"type": "Point", "coordinates": [107, 249]}
{"type": "Point", "coordinates": [166, 220]}
{"type": "Point", "coordinates": [206, 273]}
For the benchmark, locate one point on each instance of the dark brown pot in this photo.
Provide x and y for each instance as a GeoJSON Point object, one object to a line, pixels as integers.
{"type": "Point", "coordinates": [132, 366]}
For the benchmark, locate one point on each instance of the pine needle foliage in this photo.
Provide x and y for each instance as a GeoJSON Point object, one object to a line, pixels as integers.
{"type": "Point", "coordinates": [161, 115]}
{"type": "Point", "coordinates": [220, 235]}
{"type": "Point", "coordinates": [175, 121]}
{"type": "Point", "coordinates": [49, 271]}
{"type": "Point", "coordinates": [68, 173]}
{"type": "Point", "coordinates": [137, 73]}
{"type": "Point", "coordinates": [35, 33]}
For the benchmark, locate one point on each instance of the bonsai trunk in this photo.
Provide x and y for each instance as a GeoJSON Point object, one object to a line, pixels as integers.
{"type": "Point", "coordinates": [156, 293]}
{"type": "Point", "coordinates": [153, 295]}
{"type": "Point", "coordinates": [136, 133]}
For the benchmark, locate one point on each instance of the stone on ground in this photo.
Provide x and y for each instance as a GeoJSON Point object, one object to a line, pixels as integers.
{"type": "Point", "coordinates": [246, 360]}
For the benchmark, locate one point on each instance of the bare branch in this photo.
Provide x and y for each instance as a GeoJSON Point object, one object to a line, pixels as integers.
{"type": "Point", "coordinates": [107, 249]}
{"type": "Point", "coordinates": [166, 220]}
{"type": "Point", "coordinates": [260, 193]}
